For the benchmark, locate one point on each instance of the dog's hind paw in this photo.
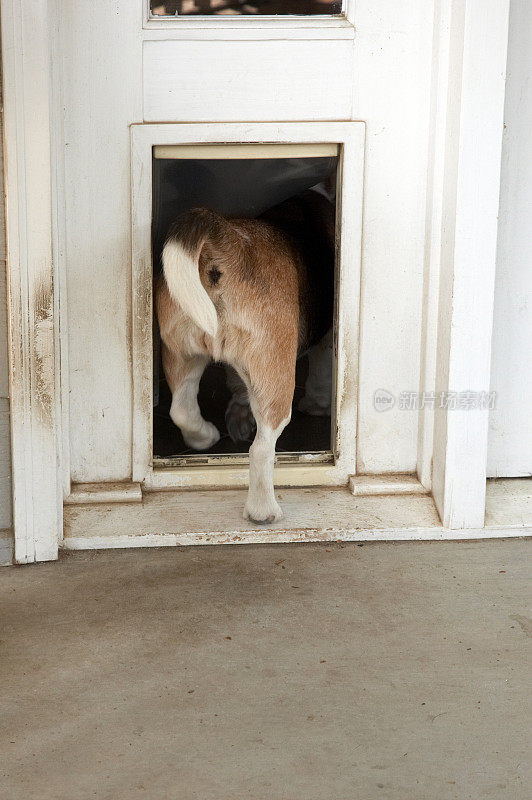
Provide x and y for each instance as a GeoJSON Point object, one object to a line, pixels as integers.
{"type": "Point", "coordinates": [263, 513]}
{"type": "Point", "coordinates": [239, 420]}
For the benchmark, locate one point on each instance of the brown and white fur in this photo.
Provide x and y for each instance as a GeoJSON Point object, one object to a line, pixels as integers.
{"type": "Point", "coordinates": [245, 292]}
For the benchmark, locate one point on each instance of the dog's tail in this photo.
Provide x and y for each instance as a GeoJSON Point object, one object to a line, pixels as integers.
{"type": "Point", "coordinates": [181, 265]}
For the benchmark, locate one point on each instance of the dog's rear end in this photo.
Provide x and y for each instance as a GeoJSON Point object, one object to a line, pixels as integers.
{"type": "Point", "coordinates": [235, 291]}
{"type": "Point", "coordinates": [230, 292]}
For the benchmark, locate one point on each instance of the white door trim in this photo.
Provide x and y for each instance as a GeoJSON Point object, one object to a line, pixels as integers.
{"type": "Point", "coordinates": [478, 34]}
{"type": "Point", "coordinates": [37, 506]}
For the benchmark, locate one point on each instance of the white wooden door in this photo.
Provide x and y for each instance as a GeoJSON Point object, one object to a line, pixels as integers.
{"type": "Point", "coordinates": [92, 71]}
{"type": "Point", "coordinates": [122, 68]}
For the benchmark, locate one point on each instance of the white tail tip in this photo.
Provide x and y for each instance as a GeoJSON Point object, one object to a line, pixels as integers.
{"type": "Point", "coordinates": [181, 271]}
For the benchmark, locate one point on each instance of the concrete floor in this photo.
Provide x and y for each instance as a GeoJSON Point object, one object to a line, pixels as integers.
{"type": "Point", "coordinates": [288, 672]}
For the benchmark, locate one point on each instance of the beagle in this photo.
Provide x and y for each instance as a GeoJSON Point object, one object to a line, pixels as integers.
{"type": "Point", "coordinates": [254, 294]}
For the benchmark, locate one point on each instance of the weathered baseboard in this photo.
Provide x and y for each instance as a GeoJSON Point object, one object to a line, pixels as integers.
{"type": "Point", "coordinates": [91, 493]}
{"type": "Point", "coordinates": [362, 485]}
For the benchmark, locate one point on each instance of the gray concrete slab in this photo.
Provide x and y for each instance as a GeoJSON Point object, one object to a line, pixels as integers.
{"type": "Point", "coordinates": [289, 672]}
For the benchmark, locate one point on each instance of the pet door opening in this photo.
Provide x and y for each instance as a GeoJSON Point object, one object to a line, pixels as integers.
{"type": "Point", "coordinates": [291, 189]}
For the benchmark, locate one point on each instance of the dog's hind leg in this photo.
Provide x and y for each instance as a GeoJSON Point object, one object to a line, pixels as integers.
{"type": "Point", "coordinates": [261, 505]}
{"type": "Point", "coordinates": [272, 407]}
{"type": "Point", "coordinates": [183, 374]}
{"type": "Point", "coordinates": [238, 415]}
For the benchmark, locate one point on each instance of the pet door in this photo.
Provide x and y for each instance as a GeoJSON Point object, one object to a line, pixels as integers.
{"type": "Point", "coordinates": [283, 185]}
{"type": "Point", "coordinates": [256, 170]}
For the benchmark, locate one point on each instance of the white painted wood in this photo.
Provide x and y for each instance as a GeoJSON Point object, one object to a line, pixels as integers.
{"type": "Point", "coordinates": [290, 80]}
{"type": "Point", "coordinates": [311, 515]}
{"type": "Point", "coordinates": [26, 73]}
{"type": "Point", "coordinates": [211, 30]}
{"type": "Point", "coordinates": [510, 431]}
{"type": "Point", "coordinates": [350, 136]}
{"type": "Point", "coordinates": [91, 493]}
{"type": "Point", "coordinates": [433, 232]}
{"type": "Point", "coordinates": [102, 94]}
{"type": "Point", "coordinates": [5, 466]}
{"type": "Point", "coordinates": [203, 515]}
{"type": "Point", "coordinates": [293, 536]}
{"type": "Point", "coordinates": [234, 477]}
{"type": "Point", "coordinates": [57, 143]}
{"type": "Point", "coordinates": [470, 206]}
{"type": "Point", "coordinates": [349, 211]}
{"type": "Point", "coordinates": [391, 92]}
{"type": "Point", "coordinates": [5, 443]}
{"type": "Point", "coordinates": [361, 485]}
{"type": "Point", "coordinates": [236, 151]}
{"type": "Point", "coordinates": [4, 367]}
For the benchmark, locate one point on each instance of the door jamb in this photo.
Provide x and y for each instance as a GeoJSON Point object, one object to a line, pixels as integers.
{"type": "Point", "coordinates": [475, 40]}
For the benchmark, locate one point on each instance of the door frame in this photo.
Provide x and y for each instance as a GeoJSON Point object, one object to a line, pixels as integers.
{"type": "Point", "coordinates": [468, 100]}
{"type": "Point", "coordinates": [33, 296]}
